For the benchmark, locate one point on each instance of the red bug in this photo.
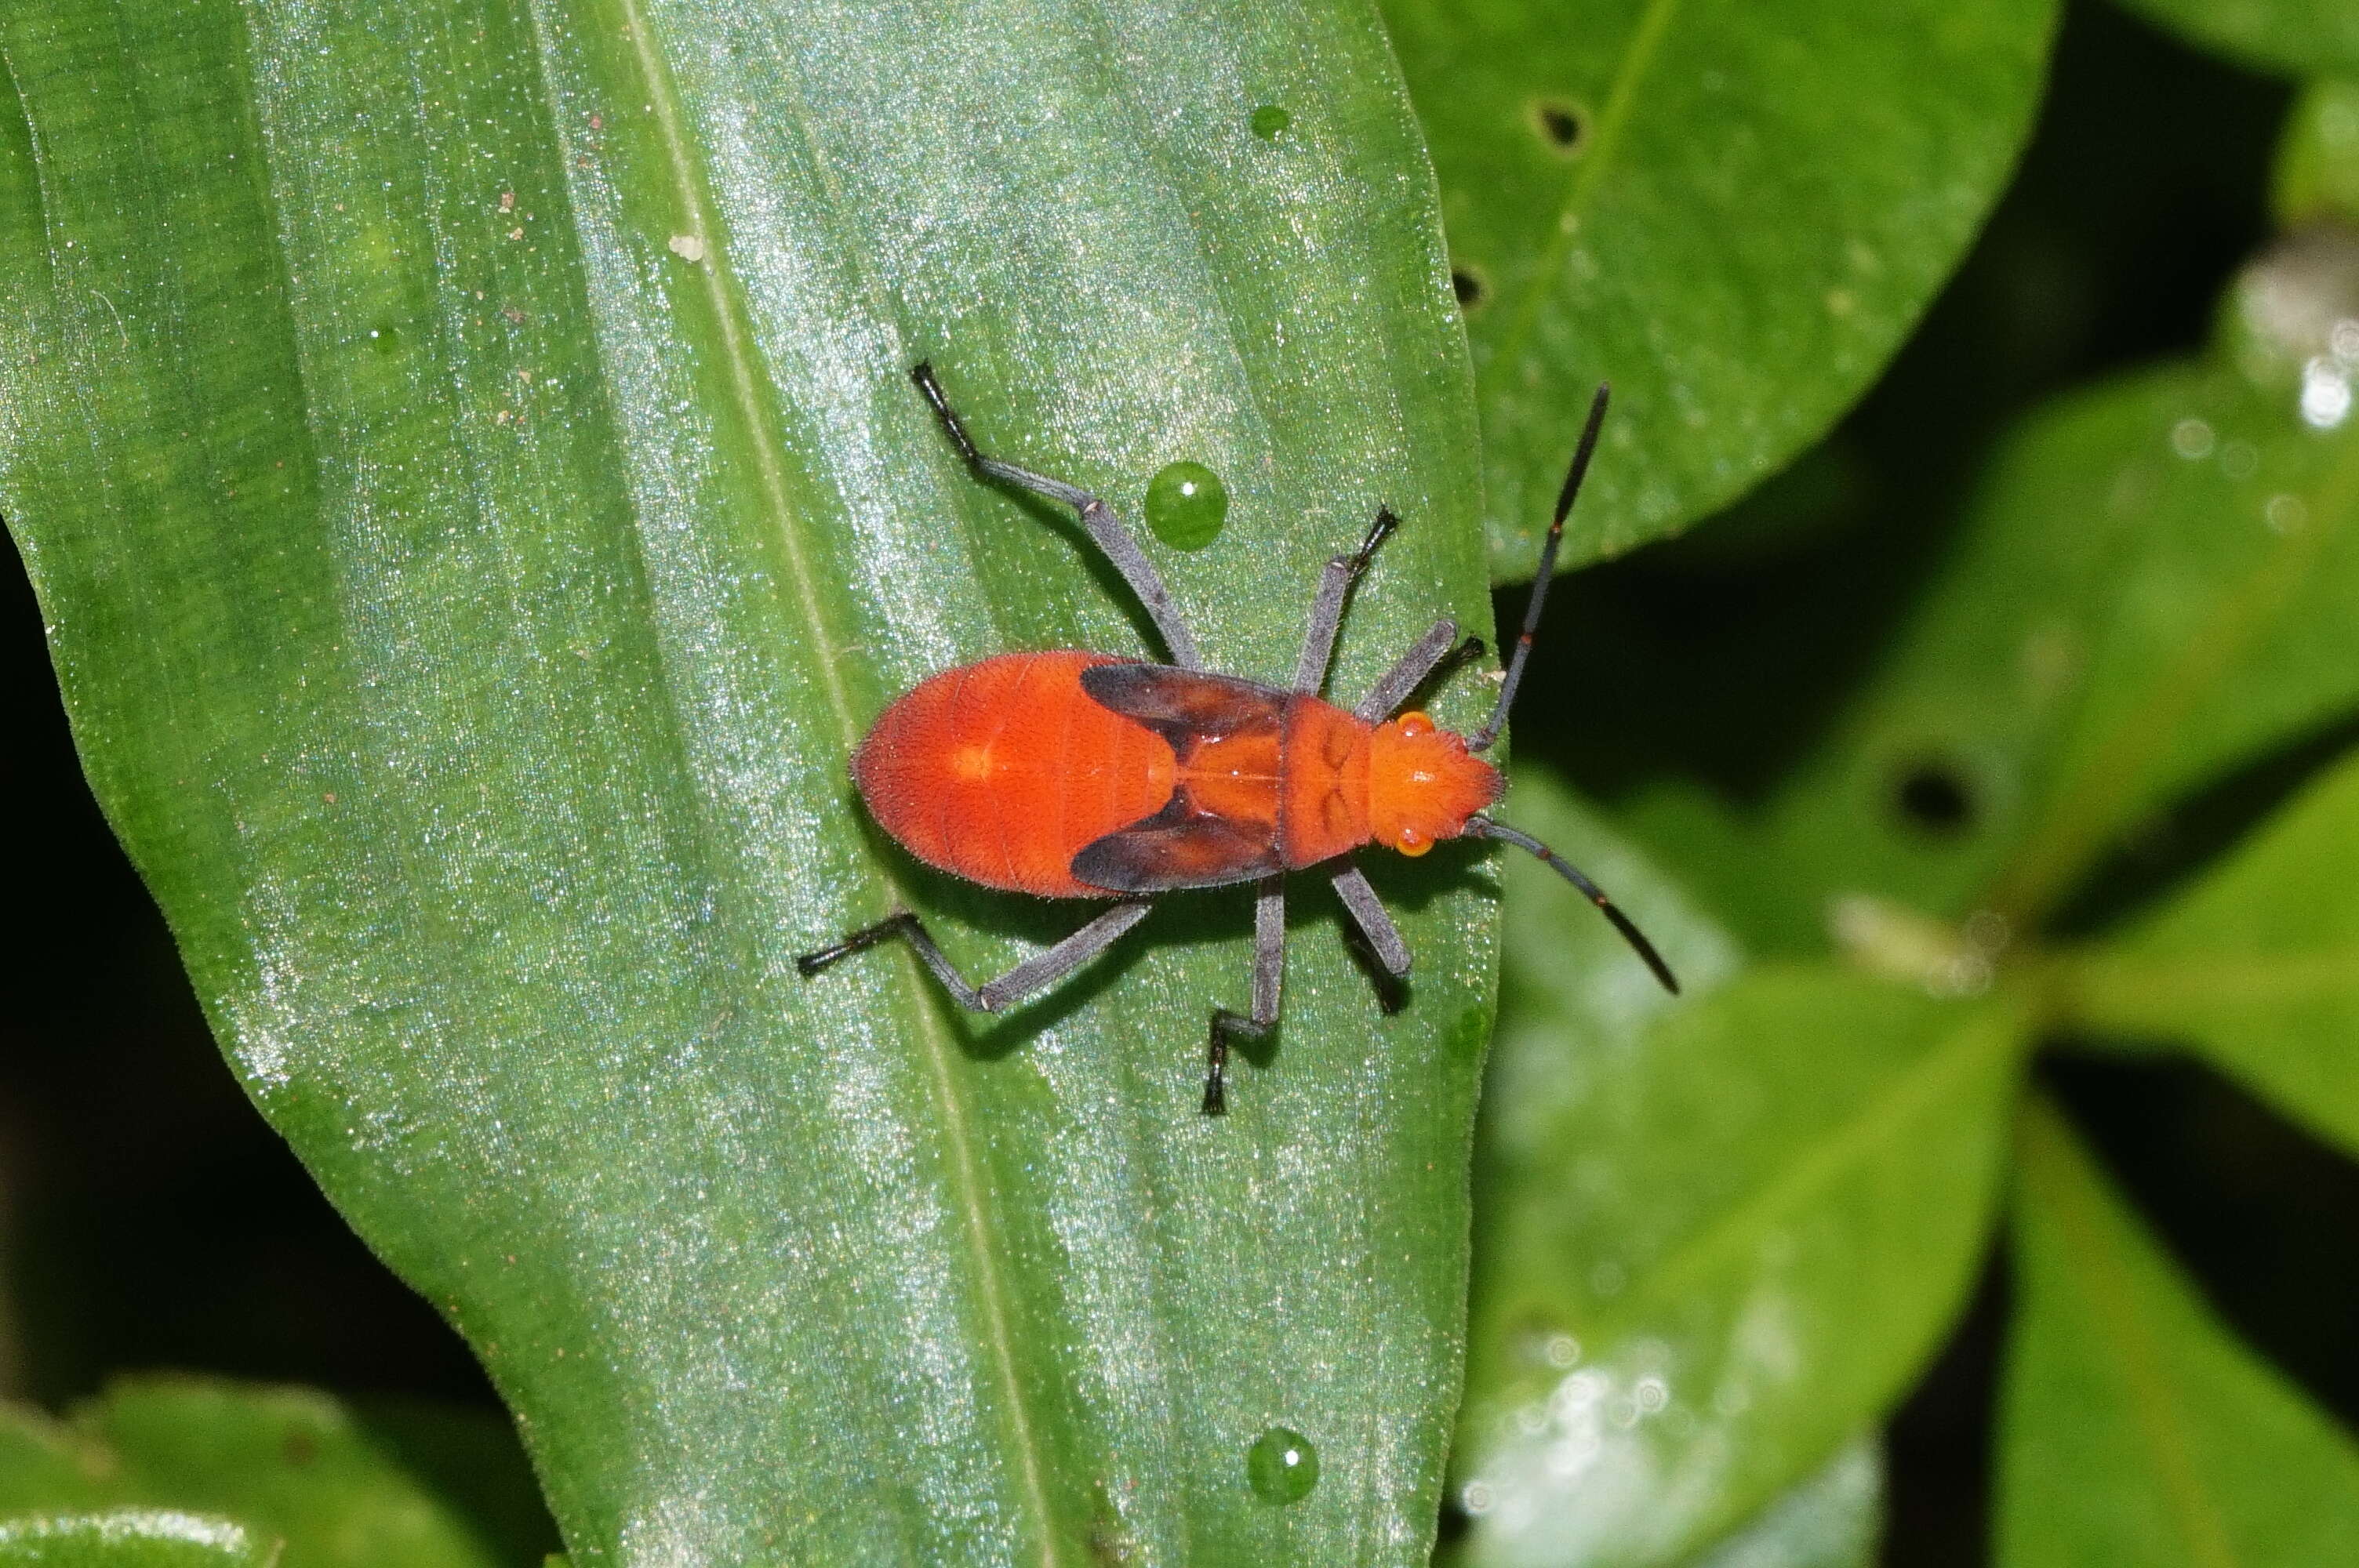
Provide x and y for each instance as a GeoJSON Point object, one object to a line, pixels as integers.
{"type": "Point", "coordinates": [1083, 775]}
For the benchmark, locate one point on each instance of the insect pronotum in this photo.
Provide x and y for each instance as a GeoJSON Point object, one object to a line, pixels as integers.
{"type": "Point", "coordinates": [1073, 774]}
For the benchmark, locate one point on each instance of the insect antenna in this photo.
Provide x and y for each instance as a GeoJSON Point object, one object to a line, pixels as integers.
{"type": "Point", "coordinates": [1484, 827]}
{"type": "Point", "coordinates": [1481, 740]}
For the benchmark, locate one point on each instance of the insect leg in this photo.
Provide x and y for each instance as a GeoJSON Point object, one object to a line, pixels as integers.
{"type": "Point", "coordinates": [1335, 584]}
{"type": "Point", "coordinates": [1431, 652]}
{"type": "Point", "coordinates": [1269, 976]}
{"type": "Point", "coordinates": [1037, 973]}
{"type": "Point", "coordinates": [1097, 518]}
{"type": "Point", "coordinates": [1368, 911]}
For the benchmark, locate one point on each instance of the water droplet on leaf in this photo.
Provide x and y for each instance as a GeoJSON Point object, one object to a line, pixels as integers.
{"type": "Point", "coordinates": [1281, 1465]}
{"type": "Point", "coordinates": [1269, 122]}
{"type": "Point", "coordinates": [1186, 506]}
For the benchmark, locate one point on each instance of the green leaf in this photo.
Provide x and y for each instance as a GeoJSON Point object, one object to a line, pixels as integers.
{"type": "Point", "coordinates": [2299, 38]}
{"type": "Point", "coordinates": [1832, 1521]}
{"type": "Point", "coordinates": [2152, 585]}
{"type": "Point", "coordinates": [288, 1467]}
{"type": "Point", "coordinates": [1714, 1237]}
{"type": "Point", "coordinates": [2316, 180]}
{"type": "Point", "coordinates": [2135, 1428]}
{"type": "Point", "coordinates": [45, 1467]}
{"type": "Point", "coordinates": [2257, 963]}
{"type": "Point", "coordinates": [1732, 211]}
{"type": "Point", "coordinates": [288, 1463]}
{"type": "Point", "coordinates": [467, 455]}
{"type": "Point", "coordinates": [470, 1459]}
{"type": "Point", "coordinates": [130, 1537]}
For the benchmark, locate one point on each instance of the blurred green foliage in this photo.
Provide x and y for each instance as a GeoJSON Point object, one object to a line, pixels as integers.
{"type": "Point", "coordinates": [282, 1476]}
{"type": "Point", "coordinates": [2066, 787]}
{"type": "Point", "coordinates": [2137, 1429]}
{"type": "Point", "coordinates": [1733, 213]}
{"type": "Point", "coordinates": [1996, 751]}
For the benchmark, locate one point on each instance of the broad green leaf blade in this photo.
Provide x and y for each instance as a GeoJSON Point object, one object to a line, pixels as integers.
{"type": "Point", "coordinates": [1734, 212]}
{"type": "Point", "coordinates": [290, 1469]}
{"type": "Point", "coordinates": [470, 1460]}
{"type": "Point", "coordinates": [1832, 1521]}
{"type": "Point", "coordinates": [131, 1538]}
{"type": "Point", "coordinates": [2316, 180]}
{"type": "Point", "coordinates": [2257, 963]}
{"type": "Point", "coordinates": [1714, 1237]}
{"type": "Point", "coordinates": [46, 1468]}
{"type": "Point", "coordinates": [2152, 585]}
{"type": "Point", "coordinates": [288, 1463]}
{"type": "Point", "coordinates": [2134, 1427]}
{"type": "Point", "coordinates": [467, 455]}
{"type": "Point", "coordinates": [2300, 37]}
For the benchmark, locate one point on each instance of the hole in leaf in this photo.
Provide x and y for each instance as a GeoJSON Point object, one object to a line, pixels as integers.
{"type": "Point", "coordinates": [1933, 797]}
{"type": "Point", "coordinates": [1467, 284]}
{"type": "Point", "coordinates": [1559, 124]}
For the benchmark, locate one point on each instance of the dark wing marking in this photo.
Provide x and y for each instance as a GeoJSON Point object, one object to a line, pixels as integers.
{"type": "Point", "coordinates": [1179, 847]}
{"type": "Point", "coordinates": [1182, 705]}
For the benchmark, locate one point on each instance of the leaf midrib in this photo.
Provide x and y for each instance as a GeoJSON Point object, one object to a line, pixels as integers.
{"type": "Point", "coordinates": [2101, 987]}
{"type": "Point", "coordinates": [2056, 1167]}
{"type": "Point", "coordinates": [725, 298]}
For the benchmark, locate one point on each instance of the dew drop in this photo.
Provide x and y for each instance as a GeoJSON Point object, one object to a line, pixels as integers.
{"type": "Point", "coordinates": [1269, 122]}
{"type": "Point", "coordinates": [385, 339]}
{"type": "Point", "coordinates": [1281, 1466]}
{"type": "Point", "coordinates": [1186, 506]}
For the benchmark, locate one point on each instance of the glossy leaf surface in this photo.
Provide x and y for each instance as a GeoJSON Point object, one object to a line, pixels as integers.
{"type": "Point", "coordinates": [1734, 211]}
{"type": "Point", "coordinates": [2135, 1427]}
{"type": "Point", "coordinates": [2257, 963]}
{"type": "Point", "coordinates": [467, 455]}
{"type": "Point", "coordinates": [2151, 587]}
{"type": "Point", "coordinates": [290, 1471]}
{"type": "Point", "coordinates": [2299, 38]}
{"type": "Point", "coordinates": [1714, 1237]}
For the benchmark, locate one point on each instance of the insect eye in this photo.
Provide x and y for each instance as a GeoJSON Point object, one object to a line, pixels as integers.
{"type": "Point", "coordinates": [1412, 842]}
{"type": "Point", "coordinates": [1413, 724]}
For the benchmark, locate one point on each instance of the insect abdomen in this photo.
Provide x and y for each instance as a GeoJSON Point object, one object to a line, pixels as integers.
{"type": "Point", "coordinates": [1001, 771]}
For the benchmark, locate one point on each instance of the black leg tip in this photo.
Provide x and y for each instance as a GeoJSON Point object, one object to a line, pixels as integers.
{"type": "Point", "coordinates": [809, 964]}
{"type": "Point", "coordinates": [1216, 1099]}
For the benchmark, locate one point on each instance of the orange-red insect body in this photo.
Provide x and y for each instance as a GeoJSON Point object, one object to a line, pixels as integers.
{"type": "Point", "coordinates": [1081, 775]}
{"type": "Point", "coordinates": [1006, 771]}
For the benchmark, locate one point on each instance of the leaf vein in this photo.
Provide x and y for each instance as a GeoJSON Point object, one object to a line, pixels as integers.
{"type": "Point", "coordinates": [741, 358]}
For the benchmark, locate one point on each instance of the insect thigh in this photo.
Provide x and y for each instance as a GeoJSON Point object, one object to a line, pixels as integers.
{"type": "Point", "coordinates": [1100, 519]}
{"type": "Point", "coordinates": [1037, 973]}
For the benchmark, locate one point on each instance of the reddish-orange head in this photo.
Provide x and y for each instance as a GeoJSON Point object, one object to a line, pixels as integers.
{"type": "Point", "coordinates": [1423, 785]}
